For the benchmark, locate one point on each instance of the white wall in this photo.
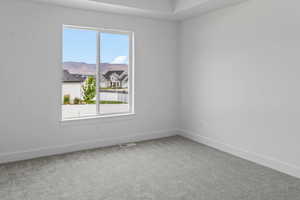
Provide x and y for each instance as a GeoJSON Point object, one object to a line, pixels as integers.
{"type": "Point", "coordinates": [240, 79]}
{"type": "Point", "coordinates": [72, 89]}
{"type": "Point", "coordinates": [30, 77]}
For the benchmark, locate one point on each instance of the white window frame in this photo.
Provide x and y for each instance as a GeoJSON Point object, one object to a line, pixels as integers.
{"type": "Point", "coordinates": [131, 73]}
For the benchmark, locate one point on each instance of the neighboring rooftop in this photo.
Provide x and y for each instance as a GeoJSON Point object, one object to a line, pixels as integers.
{"type": "Point", "coordinates": [78, 73]}
{"type": "Point", "coordinates": [72, 78]}
{"type": "Point", "coordinates": [90, 69]}
{"type": "Point", "coordinates": [121, 75]}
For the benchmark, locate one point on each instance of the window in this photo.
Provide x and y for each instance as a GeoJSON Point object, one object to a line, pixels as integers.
{"type": "Point", "coordinates": [97, 73]}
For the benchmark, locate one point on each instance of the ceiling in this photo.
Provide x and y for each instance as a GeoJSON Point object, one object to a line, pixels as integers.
{"type": "Point", "coordinates": [164, 9]}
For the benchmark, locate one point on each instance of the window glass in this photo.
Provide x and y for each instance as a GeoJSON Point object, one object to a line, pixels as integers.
{"type": "Point", "coordinates": [114, 73]}
{"type": "Point", "coordinates": [96, 73]}
{"type": "Point", "coordinates": [79, 73]}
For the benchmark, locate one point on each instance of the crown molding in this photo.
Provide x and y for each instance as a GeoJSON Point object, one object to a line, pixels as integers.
{"type": "Point", "coordinates": [178, 10]}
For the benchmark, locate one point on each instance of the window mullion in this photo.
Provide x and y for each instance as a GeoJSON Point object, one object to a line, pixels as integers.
{"type": "Point", "coordinates": [98, 74]}
{"type": "Point", "coordinates": [131, 73]}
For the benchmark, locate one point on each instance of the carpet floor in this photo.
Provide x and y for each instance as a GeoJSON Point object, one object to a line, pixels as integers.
{"type": "Point", "coordinates": [172, 168]}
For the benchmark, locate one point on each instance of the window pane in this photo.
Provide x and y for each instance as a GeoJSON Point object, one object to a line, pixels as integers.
{"type": "Point", "coordinates": [114, 74]}
{"type": "Point", "coordinates": [79, 73]}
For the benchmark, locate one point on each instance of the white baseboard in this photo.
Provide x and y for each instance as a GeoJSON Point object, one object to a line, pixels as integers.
{"type": "Point", "coordinates": [251, 156]}
{"type": "Point", "coordinates": [56, 150]}
{"type": "Point", "coordinates": [195, 136]}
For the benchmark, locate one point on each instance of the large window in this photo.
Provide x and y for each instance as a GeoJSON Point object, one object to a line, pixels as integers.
{"type": "Point", "coordinates": [97, 73]}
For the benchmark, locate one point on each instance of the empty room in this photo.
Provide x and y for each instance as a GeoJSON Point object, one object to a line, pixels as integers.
{"type": "Point", "coordinates": [149, 100]}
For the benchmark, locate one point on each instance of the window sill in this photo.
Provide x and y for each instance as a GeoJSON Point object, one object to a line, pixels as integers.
{"type": "Point", "coordinates": [111, 117]}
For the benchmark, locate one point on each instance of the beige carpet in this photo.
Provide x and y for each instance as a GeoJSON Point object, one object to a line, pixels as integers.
{"type": "Point", "coordinates": [167, 169]}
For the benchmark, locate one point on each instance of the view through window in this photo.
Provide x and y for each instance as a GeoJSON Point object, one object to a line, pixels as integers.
{"type": "Point", "coordinates": [96, 74]}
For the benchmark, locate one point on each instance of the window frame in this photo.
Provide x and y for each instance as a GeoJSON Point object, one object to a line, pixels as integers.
{"type": "Point", "coordinates": [131, 74]}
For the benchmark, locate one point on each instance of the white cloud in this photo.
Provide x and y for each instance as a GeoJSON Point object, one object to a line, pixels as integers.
{"type": "Point", "coordinates": [120, 60]}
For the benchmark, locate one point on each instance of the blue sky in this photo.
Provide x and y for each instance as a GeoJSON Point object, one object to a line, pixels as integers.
{"type": "Point", "coordinates": [80, 46]}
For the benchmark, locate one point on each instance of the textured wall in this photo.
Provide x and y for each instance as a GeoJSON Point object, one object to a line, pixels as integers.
{"type": "Point", "coordinates": [240, 78]}
{"type": "Point", "coordinates": [30, 77]}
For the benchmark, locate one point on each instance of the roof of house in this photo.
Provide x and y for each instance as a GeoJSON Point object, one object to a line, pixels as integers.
{"type": "Point", "coordinates": [120, 73]}
{"type": "Point", "coordinates": [105, 67]}
{"type": "Point", "coordinates": [72, 78]}
{"type": "Point", "coordinates": [78, 78]}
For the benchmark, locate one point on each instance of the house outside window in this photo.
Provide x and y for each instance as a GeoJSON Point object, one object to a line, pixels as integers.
{"type": "Point", "coordinates": [97, 73]}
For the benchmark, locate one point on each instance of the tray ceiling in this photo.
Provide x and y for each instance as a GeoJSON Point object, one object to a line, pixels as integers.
{"type": "Point", "coordinates": [165, 9]}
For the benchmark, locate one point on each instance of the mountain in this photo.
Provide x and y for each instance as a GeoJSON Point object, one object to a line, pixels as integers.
{"type": "Point", "coordinates": [90, 69]}
{"type": "Point", "coordinates": [80, 68]}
